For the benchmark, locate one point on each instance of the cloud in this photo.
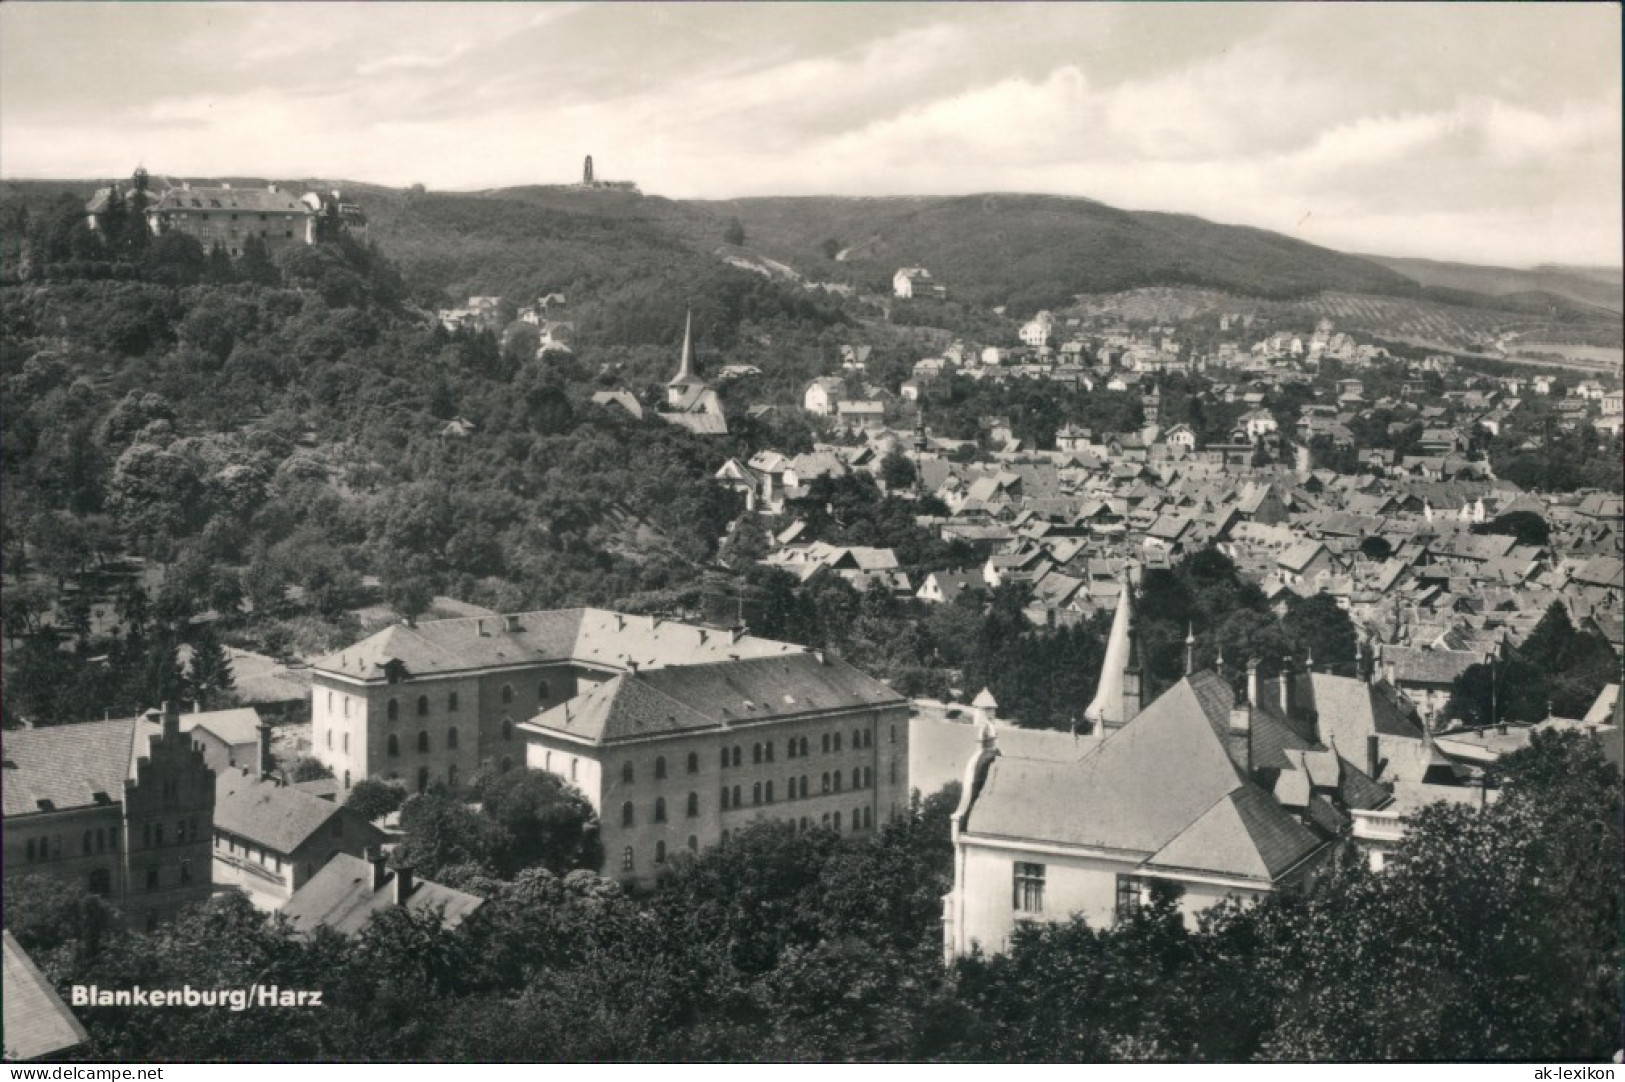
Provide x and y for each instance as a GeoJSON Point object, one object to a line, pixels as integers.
{"type": "Point", "coordinates": [1467, 121]}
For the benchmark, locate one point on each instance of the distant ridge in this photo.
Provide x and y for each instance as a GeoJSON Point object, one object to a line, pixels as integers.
{"type": "Point", "coordinates": [1597, 287]}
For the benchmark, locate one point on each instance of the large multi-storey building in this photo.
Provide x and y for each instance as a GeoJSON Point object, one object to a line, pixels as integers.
{"type": "Point", "coordinates": [123, 807]}
{"type": "Point", "coordinates": [678, 758]}
{"type": "Point", "coordinates": [636, 711]}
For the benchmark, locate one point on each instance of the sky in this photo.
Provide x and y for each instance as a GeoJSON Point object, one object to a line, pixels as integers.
{"type": "Point", "coordinates": [1486, 133]}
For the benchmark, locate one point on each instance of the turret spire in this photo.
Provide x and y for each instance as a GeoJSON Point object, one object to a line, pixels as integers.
{"type": "Point", "coordinates": [1120, 669]}
{"type": "Point", "coordinates": [685, 369]}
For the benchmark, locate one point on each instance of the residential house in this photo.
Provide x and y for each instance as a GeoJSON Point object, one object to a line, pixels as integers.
{"type": "Point", "coordinates": [270, 839]}
{"type": "Point", "coordinates": [349, 891]}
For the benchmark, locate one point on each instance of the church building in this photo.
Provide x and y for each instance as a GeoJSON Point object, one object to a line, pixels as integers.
{"type": "Point", "coordinates": [1213, 791]}
{"type": "Point", "coordinates": [690, 401]}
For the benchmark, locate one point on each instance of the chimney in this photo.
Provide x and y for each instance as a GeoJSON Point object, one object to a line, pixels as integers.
{"type": "Point", "coordinates": [1252, 681]}
{"type": "Point", "coordinates": [266, 762]}
{"type": "Point", "coordinates": [271, 187]}
{"type": "Point", "coordinates": [1241, 719]}
{"type": "Point", "coordinates": [172, 721]}
{"type": "Point", "coordinates": [632, 666]}
{"type": "Point", "coordinates": [703, 636]}
{"type": "Point", "coordinates": [819, 654]}
{"type": "Point", "coordinates": [1372, 751]}
{"type": "Point", "coordinates": [379, 865]}
{"type": "Point", "coordinates": [734, 634]}
{"type": "Point", "coordinates": [197, 706]}
{"type": "Point", "coordinates": [1284, 679]}
{"type": "Point", "coordinates": [620, 622]}
{"type": "Point", "coordinates": [479, 627]}
{"type": "Point", "coordinates": [403, 885]}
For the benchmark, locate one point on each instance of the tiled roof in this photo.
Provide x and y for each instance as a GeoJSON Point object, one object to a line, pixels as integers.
{"type": "Point", "coordinates": [256, 200]}
{"type": "Point", "coordinates": [237, 727]}
{"type": "Point", "coordinates": [1415, 666]}
{"type": "Point", "coordinates": [591, 636]}
{"type": "Point", "coordinates": [1244, 835]}
{"type": "Point", "coordinates": [340, 897]}
{"type": "Point", "coordinates": [690, 697]}
{"type": "Point", "coordinates": [37, 1022]}
{"type": "Point", "coordinates": [281, 818]}
{"type": "Point", "coordinates": [67, 765]}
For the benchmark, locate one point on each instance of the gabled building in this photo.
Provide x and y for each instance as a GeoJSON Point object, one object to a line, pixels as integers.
{"type": "Point", "coordinates": [124, 808]}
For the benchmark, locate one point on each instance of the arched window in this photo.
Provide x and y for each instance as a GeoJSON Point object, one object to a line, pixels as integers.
{"type": "Point", "coordinates": [738, 803]}
{"type": "Point", "coordinates": [451, 737]}
{"type": "Point", "coordinates": [826, 781]}
{"type": "Point", "coordinates": [756, 793]}
{"type": "Point", "coordinates": [868, 777]}
{"type": "Point", "coordinates": [626, 772]}
{"type": "Point", "coordinates": [803, 749]}
{"type": "Point", "coordinates": [329, 702]}
{"type": "Point", "coordinates": [790, 748]}
{"type": "Point", "coordinates": [857, 738]}
{"type": "Point", "coordinates": [507, 693]}
{"type": "Point", "coordinates": [857, 777]}
{"type": "Point", "coordinates": [423, 740]}
{"type": "Point", "coordinates": [451, 776]}
{"type": "Point", "coordinates": [393, 710]}
{"type": "Point", "coordinates": [725, 804]}
{"type": "Point", "coordinates": [836, 742]}
{"type": "Point", "coordinates": [186, 871]}
{"type": "Point", "coordinates": [660, 809]}
{"type": "Point", "coordinates": [346, 743]}
{"type": "Point", "coordinates": [826, 819]}
{"type": "Point", "coordinates": [823, 743]}
{"type": "Point", "coordinates": [857, 818]}
{"type": "Point", "coordinates": [547, 761]}
{"type": "Point", "coordinates": [423, 779]}
{"type": "Point", "coordinates": [739, 755]}
{"type": "Point", "coordinates": [768, 750]}
{"type": "Point", "coordinates": [693, 805]}
{"type": "Point", "coordinates": [660, 852]}
{"type": "Point", "coordinates": [836, 819]}
{"type": "Point", "coordinates": [87, 842]}
{"type": "Point", "coordinates": [660, 767]}
{"type": "Point", "coordinates": [541, 692]}
{"type": "Point", "coordinates": [423, 706]}
{"type": "Point", "coordinates": [330, 740]}
{"type": "Point", "coordinates": [769, 792]}
{"type": "Point", "coordinates": [628, 814]}
{"type": "Point", "coordinates": [394, 744]}
{"type": "Point", "coordinates": [868, 818]}
{"type": "Point", "coordinates": [725, 759]}
{"type": "Point", "coordinates": [693, 762]}
{"type": "Point", "coordinates": [345, 702]}
{"type": "Point", "coordinates": [836, 777]}
{"type": "Point", "coordinates": [451, 703]}
{"type": "Point", "coordinates": [693, 844]}
{"type": "Point", "coordinates": [756, 753]}
{"type": "Point", "coordinates": [626, 859]}
{"type": "Point", "coordinates": [507, 728]}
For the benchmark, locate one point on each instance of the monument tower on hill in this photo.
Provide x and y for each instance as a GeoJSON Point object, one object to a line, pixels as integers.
{"type": "Point", "coordinates": [586, 171]}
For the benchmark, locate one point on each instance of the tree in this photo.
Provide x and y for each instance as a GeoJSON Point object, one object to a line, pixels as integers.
{"type": "Point", "coordinates": [897, 471]}
{"type": "Point", "coordinates": [734, 232]}
{"type": "Point", "coordinates": [1528, 527]}
{"type": "Point", "coordinates": [375, 798]}
{"type": "Point", "coordinates": [208, 675]}
{"type": "Point", "coordinates": [308, 768]}
{"type": "Point", "coordinates": [443, 832]}
{"type": "Point", "coordinates": [410, 596]}
{"type": "Point", "coordinates": [831, 247]}
{"type": "Point", "coordinates": [548, 821]}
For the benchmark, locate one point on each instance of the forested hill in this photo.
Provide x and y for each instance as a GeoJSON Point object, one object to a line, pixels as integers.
{"type": "Point", "coordinates": [1023, 251]}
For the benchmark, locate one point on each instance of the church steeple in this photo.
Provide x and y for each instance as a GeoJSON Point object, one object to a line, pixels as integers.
{"type": "Point", "coordinates": [685, 368]}
{"type": "Point", "coordinates": [1117, 699]}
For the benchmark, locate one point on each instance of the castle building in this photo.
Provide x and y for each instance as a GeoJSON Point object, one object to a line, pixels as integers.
{"type": "Point", "coordinates": [228, 216]}
{"type": "Point", "coordinates": [677, 734]}
{"type": "Point", "coordinates": [125, 808]}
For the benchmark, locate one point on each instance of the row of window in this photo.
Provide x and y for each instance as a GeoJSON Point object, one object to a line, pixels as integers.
{"type": "Point", "coordinates": [760, 752]}
{"type": "Point", "coordinates": [392, 745]}
{"type": "Point", "coordinates": [760, 793]}
{"type": "Point", "coordinates": [863, 818]}
{"type": "Point", "coordinates": [184, 877]}
{"type": "Point", "coordinates": [152, 834]}
{"type": "Point", "coordinates": [392, 708]}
